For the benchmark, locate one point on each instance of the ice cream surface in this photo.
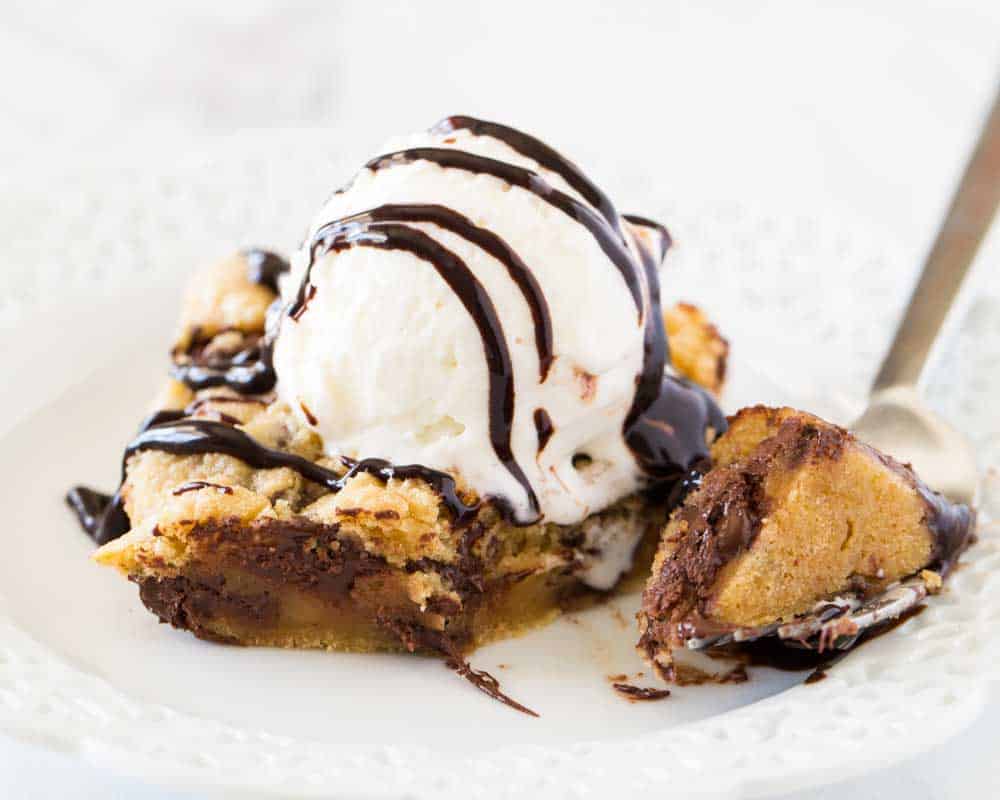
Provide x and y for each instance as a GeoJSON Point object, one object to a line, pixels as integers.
{"type": "Point", "coordinates": [473, 304]}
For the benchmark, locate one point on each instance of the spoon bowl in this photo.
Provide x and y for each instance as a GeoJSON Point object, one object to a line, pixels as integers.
{"type": "Point", "coordinates": [897, 422]}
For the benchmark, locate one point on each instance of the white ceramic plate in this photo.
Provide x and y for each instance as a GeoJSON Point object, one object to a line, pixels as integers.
{"type": "Point", "coordinates": [808, 301]}
{"type": "Point", "coordinates": [84, 666]}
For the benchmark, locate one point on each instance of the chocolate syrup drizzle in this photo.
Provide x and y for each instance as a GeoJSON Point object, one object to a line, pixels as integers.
{"type": "Point", "coordinates": [264, 268]}
{"type": "Point", "coordinates": [665, 427]}
{"type": "Point", "coordinates": [89, 505]}
{"type": "Point", "coordinates": [485, 240]}
{"type": "Point", "coordinates": [102, 516]}
{"type": "Point", "coordinates": [540, 153]}
{"type": "Point", "coordinates": [346, 234]}
{"type": "Point", "coordinates": [201, 436]}
{"type": "Point", "coordinates": [666, 424]}
{"type": "Point", "coordinates": [250, 371]}
{"type": "Point", "coordinates": [606, 236]}
{"type": "Point", "coordinates": [543, 427]}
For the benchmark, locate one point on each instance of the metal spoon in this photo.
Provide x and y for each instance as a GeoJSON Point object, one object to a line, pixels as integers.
{"type": "Point", "coordinates": [896, 421]}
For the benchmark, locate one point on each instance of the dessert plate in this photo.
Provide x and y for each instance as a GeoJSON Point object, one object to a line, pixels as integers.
{"type": "Point", "coordinates": [84, 666]}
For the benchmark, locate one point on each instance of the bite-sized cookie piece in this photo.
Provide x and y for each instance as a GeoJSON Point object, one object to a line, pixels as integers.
{"type": "Point", "coordinates": [795, 511]}
{"type": "Point", "coordinates": [697, 349]}
{"type": "Point", "coordinates": [231, 295]}
{"type": "Point", "coordinates": [221, 337]}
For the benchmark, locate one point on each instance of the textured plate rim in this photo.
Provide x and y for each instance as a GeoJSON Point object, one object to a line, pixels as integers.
{"type": "Point", "coordinates": [883, 704]}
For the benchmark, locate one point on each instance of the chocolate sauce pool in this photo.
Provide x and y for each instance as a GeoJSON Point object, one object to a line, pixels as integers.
{"type": "Point", "coordinates": [772, 652]}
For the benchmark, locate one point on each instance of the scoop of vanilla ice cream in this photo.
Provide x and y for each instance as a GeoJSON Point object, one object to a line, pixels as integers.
{"type": "Point", "coordinates": [385, 359]}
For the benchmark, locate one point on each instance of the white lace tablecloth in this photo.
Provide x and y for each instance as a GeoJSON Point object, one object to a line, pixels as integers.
{"type": "Point", "coordinates": [141, 141]}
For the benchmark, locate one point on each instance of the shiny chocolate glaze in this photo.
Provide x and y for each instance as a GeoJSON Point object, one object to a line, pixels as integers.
{"type": "Point", "coordinates": [264, 267]}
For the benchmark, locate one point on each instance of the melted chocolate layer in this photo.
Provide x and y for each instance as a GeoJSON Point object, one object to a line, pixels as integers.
{"type": "Point", "coordinates": [394, 236]}
{"type": "Point", "coordinates": [295, 553]}
{"type": "Point", "coordinates": [953, 526]}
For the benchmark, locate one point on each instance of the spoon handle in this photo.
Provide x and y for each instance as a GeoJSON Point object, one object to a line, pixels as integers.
{"type": "Point", "coordinates": [968, 219]}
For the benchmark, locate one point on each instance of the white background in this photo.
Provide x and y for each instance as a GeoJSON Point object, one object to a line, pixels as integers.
{"type": "Point", "coordinates": [864, 111]}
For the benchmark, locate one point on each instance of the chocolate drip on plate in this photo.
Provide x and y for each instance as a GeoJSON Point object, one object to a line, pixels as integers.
{"type": "Point", "coordinates": [393, 236]}
{"type": "Point", "coordinates": [607, 237]}
{"type": "Point", "coordinates": [99, 513]}
{"type": "Point", "coordinates": [89, 506]}
{"type": "Point", "coordinates": [416, 636]}
{"type": "Point", "coordinates": [485, 240]}
{"type": "Point", "coordinates": [540, 153]}
{"type": "Point", "coordinates": [264, 268]}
